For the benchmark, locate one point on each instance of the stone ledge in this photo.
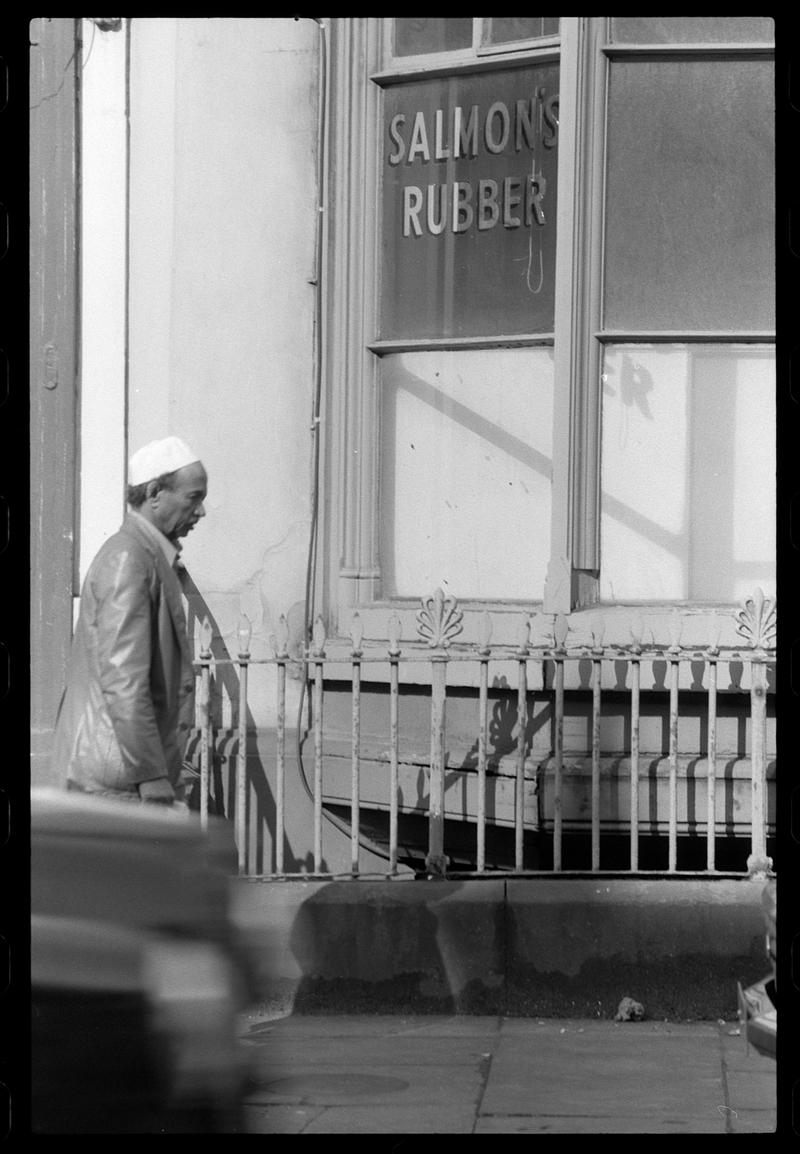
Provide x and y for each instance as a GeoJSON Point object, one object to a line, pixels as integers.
{"type": "Point", "coordinates": [549, 947]}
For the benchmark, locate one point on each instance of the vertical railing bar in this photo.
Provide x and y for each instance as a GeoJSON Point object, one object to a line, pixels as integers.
{"type": "Point", "coordinates": [355, 779]}
{"type": "Point", "coordinates": [484, 652]}
{"type": "Point", "coordinates": [634, 771]}
{"type": "Point", "coordinates": [758, 758]}
{"type": "Point", "coordinates": [673, 764]}
{"type": "Point", "coordinates": [317, 766]}
{"type": "Point", "coordinates": [559, 654]}
{"type": "Point", "coordinates": [558, 783]}
{"type": "Point", "coordinates": [205, 718]}
{"type": "Point", "coordinates": [393, 766]}
{"type": "Point", "coordinates": [241, 758]}
{"type": "Point", "coordinates": [519, 799]}
{"type": "Point", "coordinates": [355, 784]}
{"type": "Point", "coordinates": [757, 623]}
{"type": "Point", "coordinates": [318, 656]}
{"type": "Point", "coordinates": [711, 771]}
{"type": "Point", "coordinates": [483, 707]}
{"type": "Point", "coordinates": [436, 858]}
{"type": "Point", "coordinates": [394, 694]}
{"type": "Point", "coordinates": [439, 622]}
{"type": "Point", "coordinates": [280, 767]}
{"type": "Point", "coordinates": [279, 645]}
{"type": "Point", "coordinates": [596, 714]}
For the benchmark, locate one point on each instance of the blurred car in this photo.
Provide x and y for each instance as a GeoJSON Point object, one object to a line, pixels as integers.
{"type": "Point", "coordinates": [137, 979]}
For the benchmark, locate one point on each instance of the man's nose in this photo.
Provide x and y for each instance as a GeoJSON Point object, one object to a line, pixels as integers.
{"type": "Point", "coordinates": [200, 510]}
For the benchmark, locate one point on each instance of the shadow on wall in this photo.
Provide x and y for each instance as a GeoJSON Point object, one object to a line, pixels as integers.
{"type": "Point", "coordinates": [261, 815]}
{"type": "Point", "coordinates": [224, 749]}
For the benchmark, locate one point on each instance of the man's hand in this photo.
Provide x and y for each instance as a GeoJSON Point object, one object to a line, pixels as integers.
{"type": "Point", "coordinates": [159, 791]}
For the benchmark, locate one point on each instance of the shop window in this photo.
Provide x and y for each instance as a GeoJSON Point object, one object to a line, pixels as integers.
{"type": "Point", "coordinates": [550, 399]}
{"type": "Point", "coordinates": [687, 491]}
{"type": "Point", "coordinates": [689, 198]}
{"type": "Point", "coordinates": [688, 472]}
{"type": "Point", "coordinates": [469, 170]}
{"type": "Point", "coordinates": [415, 35]}
{"type": "Point", "coordinates": [692, 29]}
{"type": "Point", "coordinates": [465, 472]}
{"type": "Point", "coordinates": [502, 31]}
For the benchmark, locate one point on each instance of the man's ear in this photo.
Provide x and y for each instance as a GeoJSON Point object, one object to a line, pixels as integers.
{"type": "Point", "coordinates": [153, 489]}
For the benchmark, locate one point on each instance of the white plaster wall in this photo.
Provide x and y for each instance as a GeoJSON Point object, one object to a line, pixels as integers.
{"type": "Point", "coordinates": [102, 288]}
{"type": "Point", "coordinates": [223, 212]}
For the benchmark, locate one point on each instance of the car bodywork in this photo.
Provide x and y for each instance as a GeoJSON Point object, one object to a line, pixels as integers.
{"type": "Point", "coordinates": [137, 978]}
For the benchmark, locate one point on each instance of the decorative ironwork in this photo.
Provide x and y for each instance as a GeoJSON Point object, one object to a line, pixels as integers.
{"type": "Point", "coordinates": [439, 620]}
{"type": "Point", "coordinates": [244, 634]}
{"type": "Point", "coordinates": [485, 635]}
{"type": "Point", "coordinates": [757, 621]}
{"type": "Point", "coordinates": [206, 634]}
{"type": "Point", "coordinates": [279, 641]}
{"type": "Point", "coordinates": [357, 635]}
{"type": "Point", "coordinates": [318, 637]}
{"type": "Point", "coordinates": [394, 635]}
{"type": "Point", "coordinates": [560, 631]}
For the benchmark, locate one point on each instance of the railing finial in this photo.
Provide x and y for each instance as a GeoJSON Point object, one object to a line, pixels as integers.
{"type": "Point", "coordinates": [206, 634]}
{"type": "Point", "coordinates": [244, 633]}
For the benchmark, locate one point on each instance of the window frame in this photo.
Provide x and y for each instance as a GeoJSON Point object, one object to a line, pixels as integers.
{"type": "Point", "coordinates": [347, 566]}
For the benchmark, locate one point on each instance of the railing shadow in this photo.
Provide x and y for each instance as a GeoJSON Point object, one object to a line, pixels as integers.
{"type": "Point", "coordinates": [225, 679]}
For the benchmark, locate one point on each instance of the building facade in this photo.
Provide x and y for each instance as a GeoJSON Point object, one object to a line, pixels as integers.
{"type": "Point", "coordinates": [466, 316]}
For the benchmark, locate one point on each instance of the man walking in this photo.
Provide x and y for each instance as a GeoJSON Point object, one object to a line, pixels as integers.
{"type": "Point", "coordinates": [124, 718]}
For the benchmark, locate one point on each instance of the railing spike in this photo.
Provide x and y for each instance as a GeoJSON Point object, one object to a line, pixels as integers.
{"type": "Point", "coordinates": [206, 634]}
{"type": "Point", "coordinates": [394, 635]}
{"type": "Point", "coordinates": [524, 635]}
{"type": "Point", "coordinates": [244, 633]}
{"type": "Point", "coordinates": [356, 634]}
{"type": "Point", "coordinates": [318, 636]}
{"type": "Point", "coordinates": [485, 632]}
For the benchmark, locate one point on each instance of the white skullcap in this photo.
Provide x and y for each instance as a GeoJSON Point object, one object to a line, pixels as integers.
{"type": "Point", "coordinates": [159, 457]}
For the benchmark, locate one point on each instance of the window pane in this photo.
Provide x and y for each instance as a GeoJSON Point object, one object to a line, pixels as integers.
{"type": "Point", "coordinates": [688, 473]}
{"type": "Point", "coordinates": [689, 204]}
{"type": "Point", "coordinates": [414, 35]}
{"type": "Point", "coordinates": [692, 29]}
{"type": "Point", "coordinates": [465, 472]}
{"type": "Point", "coordinates": [469, 204]}
{"type": "Point", "coordinates": [505, 29]}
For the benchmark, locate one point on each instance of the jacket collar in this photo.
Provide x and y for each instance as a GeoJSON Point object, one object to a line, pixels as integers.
{"type": "Point", "coordinates": [137, 526]}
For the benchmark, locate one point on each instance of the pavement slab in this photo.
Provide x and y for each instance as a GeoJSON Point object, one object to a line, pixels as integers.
{"type": "Point", "coordinates": [461, 1074]}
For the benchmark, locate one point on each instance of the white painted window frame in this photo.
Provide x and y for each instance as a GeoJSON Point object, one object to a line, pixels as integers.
{"type": "Point", "coordinates": [348, 576]}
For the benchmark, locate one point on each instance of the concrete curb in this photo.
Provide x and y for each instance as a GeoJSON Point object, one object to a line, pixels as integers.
{"type": "Point", "coordinates": [547, 946]}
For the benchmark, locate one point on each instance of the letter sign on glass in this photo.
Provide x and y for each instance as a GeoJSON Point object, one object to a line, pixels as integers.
{"type": "Point", "coordinates": [469, 205]}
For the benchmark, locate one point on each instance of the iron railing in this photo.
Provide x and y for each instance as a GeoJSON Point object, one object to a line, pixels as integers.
{"type": "Point", "coordinates": [439, 622]}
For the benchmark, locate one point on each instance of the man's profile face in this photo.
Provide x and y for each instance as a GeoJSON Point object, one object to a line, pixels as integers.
{"type": "Point", "coordinates": [177, 510]}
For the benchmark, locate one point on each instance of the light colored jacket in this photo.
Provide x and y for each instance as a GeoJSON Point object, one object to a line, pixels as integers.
{"type": "Point", "coordinates": [129, 698]}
